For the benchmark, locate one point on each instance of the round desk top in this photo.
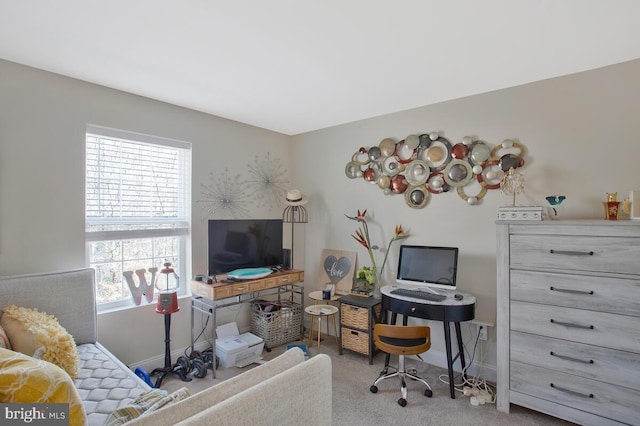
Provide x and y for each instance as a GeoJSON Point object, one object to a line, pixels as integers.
{"type": "Point", "coordinates": [321, 310]}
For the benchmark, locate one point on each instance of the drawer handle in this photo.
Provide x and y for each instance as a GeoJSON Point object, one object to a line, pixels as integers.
{"type": "Point", "coordinates": [572, 392]}
{"type": "Point", "coordinates": [355, 333]}
{"type": "Point", "coordinates": [572, 253]}
{"type": "Point", "coordinates": [568, 290]}
{"type": "Point", "coordinates": [568, 358]}
{"type": "Point", "coordinates": [569, 324]}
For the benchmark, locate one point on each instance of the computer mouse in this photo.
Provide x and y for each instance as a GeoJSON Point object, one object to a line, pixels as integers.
{"type": "Point", "coordinates": [458, 296]}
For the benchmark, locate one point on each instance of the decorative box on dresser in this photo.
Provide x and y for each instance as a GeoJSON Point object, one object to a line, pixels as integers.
{"type": "Point", "coordinates": [569, 319]}
{"type": "Point", "coordinates": [358, 315]}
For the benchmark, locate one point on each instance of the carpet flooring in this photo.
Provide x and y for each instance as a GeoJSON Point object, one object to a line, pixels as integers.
{"type": "Point", "coordinates": [354, 404]}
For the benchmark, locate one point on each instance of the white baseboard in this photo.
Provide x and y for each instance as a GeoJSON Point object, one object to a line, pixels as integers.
{"type": "Point", "coordinates": [433, 357]}
{"type": "Point", "coordinates": [158, 361]}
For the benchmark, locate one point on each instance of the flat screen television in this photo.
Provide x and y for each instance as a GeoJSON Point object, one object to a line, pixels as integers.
{"type": "Point", "coordinates": [429, 267]}
{"type": "Point", "coordinates": [244, 243]}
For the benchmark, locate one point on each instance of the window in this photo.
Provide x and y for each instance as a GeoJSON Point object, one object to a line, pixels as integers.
{"type": "Point", "coordinates": [137, 208]}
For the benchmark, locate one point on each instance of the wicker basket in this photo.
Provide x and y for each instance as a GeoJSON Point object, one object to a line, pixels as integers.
{"type": "Point", "coordinates": [356, 316]}
{"type": "Point", "coordinates": [277, 327]}
{"type": "Point", "coordinates": [355, 340]}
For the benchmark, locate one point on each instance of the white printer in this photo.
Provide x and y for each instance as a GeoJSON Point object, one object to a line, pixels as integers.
{"type": "Point", "coordinates": [235, 349]}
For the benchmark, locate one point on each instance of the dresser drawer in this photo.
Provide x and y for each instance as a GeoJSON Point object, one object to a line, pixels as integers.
{"type": "Point", "coordinates": [592, 396]}
{"type": "Point", "coordinates": [592, 362]}
{"type": "Point", "coordinates": [603, 294]}
{"type": "Point", "coordinates": [576, 253]}
{"type": "Point", "coordinates": [594, 328]}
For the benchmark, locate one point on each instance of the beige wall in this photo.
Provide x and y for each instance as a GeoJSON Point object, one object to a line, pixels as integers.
{"type": "Point", "coordinates": [580, 131]}
{"type": "Point", "coordinates": [42, 127]}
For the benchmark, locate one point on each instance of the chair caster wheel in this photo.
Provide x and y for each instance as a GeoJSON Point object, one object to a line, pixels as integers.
{"type": "Point", "coordinates": [267, 349]}
{"type": "Point", "coordinates": [373, 389]}
{"type": "Point", "coordinates": [428, 393]}
{"type": "Point", "coordinates": [402, 402]}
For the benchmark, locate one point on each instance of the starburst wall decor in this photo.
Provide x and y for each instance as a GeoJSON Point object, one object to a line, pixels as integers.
{"type": "Point", "coordinates": [268, 181]}
{"type": "Point", "coordinates": [225, 196]}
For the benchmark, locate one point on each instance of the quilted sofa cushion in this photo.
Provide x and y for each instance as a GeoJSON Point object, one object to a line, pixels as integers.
{"type": "Point", "coordinates": [105, 383]}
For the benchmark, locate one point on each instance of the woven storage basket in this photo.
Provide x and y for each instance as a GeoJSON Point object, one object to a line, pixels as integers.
{"type": "Point", "coordinates": [277, 327]}
{"type": "Point", "coordinates": [356, 316]}
{"type": "Point", "coordinates": [355, 340]}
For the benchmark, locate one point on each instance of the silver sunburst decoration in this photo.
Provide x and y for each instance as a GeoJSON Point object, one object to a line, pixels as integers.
{"type": "Point", "coordinates": [268, 182]}
{"type": "Point", "coordinates": [224, 196]}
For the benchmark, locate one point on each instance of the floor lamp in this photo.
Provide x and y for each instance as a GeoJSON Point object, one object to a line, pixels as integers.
{"type": "Point", "coordinates": [295, 213]}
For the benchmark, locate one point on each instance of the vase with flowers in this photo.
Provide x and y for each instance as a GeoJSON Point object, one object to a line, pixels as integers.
{"type": "Point", "coordinates": [372, 274]}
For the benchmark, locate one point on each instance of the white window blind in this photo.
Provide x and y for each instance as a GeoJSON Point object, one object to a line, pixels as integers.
{"type": "Point", "coordinates": [135, 188]}
{"type": "Point", "coordinates": [137, 208]}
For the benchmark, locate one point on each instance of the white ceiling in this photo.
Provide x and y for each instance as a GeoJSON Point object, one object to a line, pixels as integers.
{"type": "Point", "coordinates": [295, 66]}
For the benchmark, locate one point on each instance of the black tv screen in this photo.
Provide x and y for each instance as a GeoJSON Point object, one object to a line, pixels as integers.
{"type": "Point", "coordinates": [244, 243]}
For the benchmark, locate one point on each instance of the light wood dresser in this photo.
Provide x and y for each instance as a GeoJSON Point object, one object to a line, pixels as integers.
{"type": "Point", "coordinates": [568, 338]}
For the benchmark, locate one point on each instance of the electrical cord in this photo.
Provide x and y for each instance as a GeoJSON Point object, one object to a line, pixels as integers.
{"type": "Point", "coordinates": [192, 346]}
{"type": "Point", "coordinates": [476, 385]}
{"type": "Point", "coordinates": [444, 378]}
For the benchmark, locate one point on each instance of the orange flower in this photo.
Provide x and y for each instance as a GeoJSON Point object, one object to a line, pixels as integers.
{"type": "Point", "coordinates": [362, 237]}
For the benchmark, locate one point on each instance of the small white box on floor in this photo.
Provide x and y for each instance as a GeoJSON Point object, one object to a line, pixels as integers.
{"type": "Point", "coordinates": [527, 213]}
{"type": "Point", "coordinates": [234, 349]}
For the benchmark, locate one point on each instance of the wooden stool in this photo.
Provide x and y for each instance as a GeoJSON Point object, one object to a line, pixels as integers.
{"type": "Point", "coordinates": [320, 311]}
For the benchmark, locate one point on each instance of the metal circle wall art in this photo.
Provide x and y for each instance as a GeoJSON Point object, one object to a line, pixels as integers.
{"type": "Point", "coordinates": [423, 164]}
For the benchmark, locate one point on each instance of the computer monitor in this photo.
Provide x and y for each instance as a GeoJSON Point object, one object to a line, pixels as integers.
{"type": "Point", "coordinates": [428, 267]}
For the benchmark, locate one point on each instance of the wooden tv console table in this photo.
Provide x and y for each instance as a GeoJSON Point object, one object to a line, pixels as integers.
{"type": "Point", "coordinates": [206, 298]}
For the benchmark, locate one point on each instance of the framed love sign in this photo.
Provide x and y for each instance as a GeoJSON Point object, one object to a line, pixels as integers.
{"type": "Point", "coordinates": [337, 268]}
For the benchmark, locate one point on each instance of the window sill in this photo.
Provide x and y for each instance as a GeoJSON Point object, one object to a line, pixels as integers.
{"type": "Point", "coordinates": [133, 306]}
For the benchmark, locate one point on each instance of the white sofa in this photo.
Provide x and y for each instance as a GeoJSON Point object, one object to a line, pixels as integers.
{"type": "Point", "coordinates": [286, 390]}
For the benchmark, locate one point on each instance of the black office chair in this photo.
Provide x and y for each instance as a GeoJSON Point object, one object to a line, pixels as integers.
{"type": "Point", "coordinates": [401, 340]}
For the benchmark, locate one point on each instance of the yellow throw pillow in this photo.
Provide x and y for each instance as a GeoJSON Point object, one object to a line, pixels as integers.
{"type": "Point", "coordinates": [29, 330]}
{"type": "Point", "coordinates": [26, 379]}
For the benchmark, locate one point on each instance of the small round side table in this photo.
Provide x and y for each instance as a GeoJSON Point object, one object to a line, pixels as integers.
{"type": "Point", "coordinates": [316, 296]}
{"type": "Point", "coordinates": [319, 311]}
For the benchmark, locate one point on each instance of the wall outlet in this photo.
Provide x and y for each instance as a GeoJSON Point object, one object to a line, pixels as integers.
{"type": "Point", "coordinates": [482, 332]}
